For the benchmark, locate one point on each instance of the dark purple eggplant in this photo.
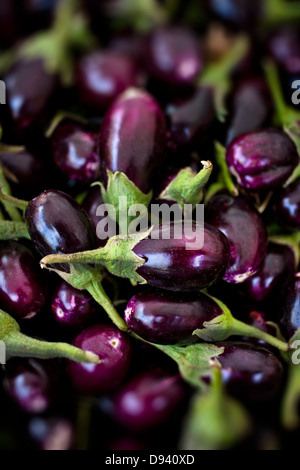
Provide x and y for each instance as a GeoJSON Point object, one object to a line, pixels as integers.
{"type": "Point", "coordinates": [58, 225]}
{"type": "Point", "coordinates": [23, 285]}
{"type": "Point", "coordinates": [262, 160]}
{"type": "Point", "coordinates": [132, 138]}
{"type": "Point", "coordinates": [114, 350]}
{"type": "Point", "coordinates": [166, 318]}
{"type": "Point", "coordinates": [174, 56]}
{"type": "Point", "coordinates": [103, 76]}
{"type": "Point", "coordinates": [246, 233]}
{"type": "Point", "coordinates": [148, 400]}
{"type": "Point", "coordinates": [172, 266]}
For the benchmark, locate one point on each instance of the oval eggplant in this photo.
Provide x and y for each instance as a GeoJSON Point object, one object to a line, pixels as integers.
{"type": "Point", "coordinates": [166, 318]}
{"type": "Point", "coordinates": [172, 266]}
{"type": "Point", "coordinates": [246, 233]}
{"type": "Point", "coordinates": [132, 138]}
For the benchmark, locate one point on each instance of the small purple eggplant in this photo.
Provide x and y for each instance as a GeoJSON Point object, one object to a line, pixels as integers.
{"type": "Point", "coordinates": [51, 434]}
{"type": "Point", "coordinates": [174, 56]}
{"type": "Point", "coordinates": [74, 150]}
{"type": "Point", "coordinates": [29, 91]}
{"type": "Point", "coordinates": [286, 206]}
{"type": "Point", "coordinates": [148, 400]}
{"type": "Point", "coordinates": [29, 384]}
{"type": "Point", "coordinates": [23, 286]}
{"type": "Point", "coordinates": [277, 270]}
{"type": "Point", "coordinates": [57, 224]}
{"type": "Point", "coordinates": [166, 318]}
{"type": "Point", "coordinates": [250, 371]}
{"type": "Point", "coordinates": [246, 233]}
{"type": "Point", "coordinates": [71, 308]}
{"type": "Point", "coordinates": [114, 350]}
{"type": "Point", "coordinates": [190, 119]}
{"type": "Point", "coordinates": [284, 46]}
{"type": "Point", "coordinates": [170, 265]}
{"type": "Point", "coordinates": [251, 108]}
{"type": "Point", "coordinates": [132, 138]}
{"type": "Point", "coordinates": [262, 160]}
{"type": "Point", "coordinates": [103, 76]}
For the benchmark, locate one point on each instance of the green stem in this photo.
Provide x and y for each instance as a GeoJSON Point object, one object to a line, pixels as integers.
{"type": "Point", "coordinates": [98, 293]}
{"type": "Point", "coordinates": [6, 193]}
{"type": "Point", "coordinates": [12, 201]}
{"type": "Point", "coordinates": [291, 399]}
{"type": "Point", "coordinates": [19, 345]}
{"type": "Point", "coordinates": [10, 229]}
{"type": "Point", "coordinates": [226, 176]}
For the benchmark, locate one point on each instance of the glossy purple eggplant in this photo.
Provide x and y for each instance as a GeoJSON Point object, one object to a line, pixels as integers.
{"type": "Point", "coordinates": [132, 138]}
{"type": "Point", "coordinates": [23, 286]}
{"type": "Point", "coordinates": [277, 270]}
{"type": "Point", "coordinates": [251, 107]}
{"type": "Point", "coordinates": [240, 14]}
{"type": "Point", "coordinates": [284, 46]}
{"type": "Point", "coordinates": [51, 434]}
{"type": "Point", "coordinates": [290, 306]}
{"type": "Point", "coordinates": [58, 225]}
{"type": "Point", "coordinates": [148, 400]}
{"type": "Point", "coordinates": [190, 120]}
{"type": "Point", "coordinates": [102, 76]}
{"type": "Point", "coordinates": [262, 160]}
{"type": "Point", "coordinates": [29, 385]}
{"type": "Point", "coordinates": [29, 89]}
{"type": "Point", "coordinates": [245, 230]}
{"type": "Point", "coordinates": [174, 55]}
{"type": "Point", "coordinates": [71, 308]}
{"type": "Point", "coordinates": [90, 204]}
{"type": "Point", "coordinates": [74, 150]}
{"type": "Point", "coordinates": [172, 265]}
{"type": "Point", "coordinates": [114, 350]}
{"type": "Point", "coordinates": [286, 206]}
{"type": "Point", "coordinates": [167, 318]}
{"type": "Point", "coordinates": [250, 371]}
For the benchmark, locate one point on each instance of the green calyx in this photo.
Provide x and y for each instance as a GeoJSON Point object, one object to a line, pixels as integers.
{"type": "Point", "coordinates": [124, 200]}
{"type": "Point", "coordinates": [224, 326]}
{"type": "Point", "coordinates": [188, 186]}
{"type": "Point", "coordinates": [20, 345]}
{"type": "Point", "coordinates": [215, 420]}
{"type": "Point", "coordinates": [117, 256]}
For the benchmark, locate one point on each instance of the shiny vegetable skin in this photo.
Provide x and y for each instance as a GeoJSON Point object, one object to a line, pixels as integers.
{"type": "Point", "coordinates": [29, 90]}
{"type": "Point", "coordinates": [190, 120]}
{"type": "Point", "coordinates": [71, 308]}
{"type": "Point", "coordinates": [23, 285]}
{"type": "Point", "coordinates": [166, 318]}
{"type": "Point", "coordinates": [57, 224]}
{"type": "Point", "coordinates": [277, 270]}
{"type": "Point", "coordinates": [174, 56]}
{"type": "Point", "coordinates": [250, 371]}
{"type": "Point", "coordinates": [148, 400]}
{"type": "Point", "coordinates": [290, 314]}
{"type": "Point", "coordinates": [74, 150]}
{"type": "Point", "coordinates": [262, 160]}
{"type": "Point", "coordinates": [170, 265]}
{"type": "Point", "coordinates": [132, 138]}
{"type": "Point", "coordinates": [114, 350]}
{"type": "Point", "coordinates": [246, 233]}
{"type": "Point", "coordinates": [286, 206]}
{"type": "Point", "coordinates": [29, 384]}
{"type": "Point", "coordinates": [103, 76]}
